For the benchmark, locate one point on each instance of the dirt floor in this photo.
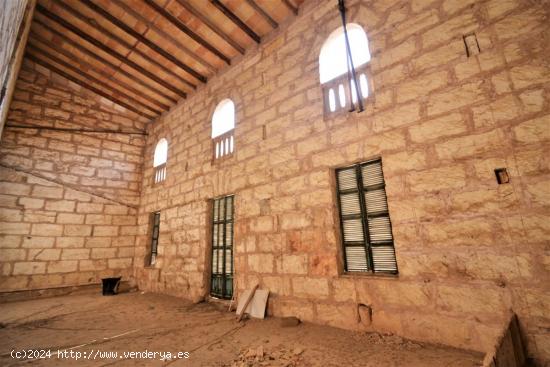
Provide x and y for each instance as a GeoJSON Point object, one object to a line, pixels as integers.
{"type": "Point", "coordinates": [93, 327]}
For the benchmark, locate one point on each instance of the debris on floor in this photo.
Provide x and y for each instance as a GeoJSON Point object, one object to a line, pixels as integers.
{"type": "Point", "coordinates": [253, 302]}
{"type": "Point", "coordinates": [259, 356]}
{"type": "Point", "coordinates": [134, 322]}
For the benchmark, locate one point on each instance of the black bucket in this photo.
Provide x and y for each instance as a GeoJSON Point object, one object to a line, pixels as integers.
{"type": "Point", "coordinates": [110, 286]}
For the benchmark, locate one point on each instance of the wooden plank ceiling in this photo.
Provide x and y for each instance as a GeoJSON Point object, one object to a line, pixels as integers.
{"type": "Point", "coordinates": [146, 55]}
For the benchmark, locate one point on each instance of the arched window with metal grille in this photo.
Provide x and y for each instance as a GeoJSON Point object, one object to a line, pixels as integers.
{"type": "Point", "coordinates": [339, 91]}
{"type": "Point", "coordinates": [159, 160]}
{"type": "Point", "coordinates": [223, 126]}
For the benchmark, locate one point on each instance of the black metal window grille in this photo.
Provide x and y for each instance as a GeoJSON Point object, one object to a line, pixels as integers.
{"type": "Point", "coordinates": [155, 237]}
{"type": "Point", "coordinates": [364, 219]}
{"type": "Point", "coordinates": [221, 284]}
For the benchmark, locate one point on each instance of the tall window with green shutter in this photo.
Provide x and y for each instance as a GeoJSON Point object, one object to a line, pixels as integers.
{"type": "Point", "coordinates": [155, 217]}
{"type": "Point", "coordinates": [364, 219]}
{"type": "Point", "coordinates": [221, 284]}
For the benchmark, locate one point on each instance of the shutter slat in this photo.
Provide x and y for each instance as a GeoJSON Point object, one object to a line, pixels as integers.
{"type": "Point", "coordinates": [220, 261]}
{"type": "Point", "coordinates": [372, 174]}
{"type": "Point", "coordinates": [216, 210]}
{"type": "Point", "coordinates": [350, 204]}
{"type": "Point", "coordinates": [347, 179]}
{"type": "Point", "coordinates": [215, 241]}
{"type": "Point", "coordinates": [228, 262]}
{"type": "Point", "coordinates": [380, 229]}
{"type": "Point", "coordinates": [229, 213]}
{"type": "Point", "coordinates": [222, 209]}
{"type": "Point", "coordinates": [356, 258]}
{"type": "Point", "coordinates": [215, 262]}
{"type": "Point", "coordinates": [376, 201]}
{"type": "Point", "coordinates": [353, 230]}
{"type": "Point", "coordinates": [228, 234]}
{"type": "Point", "coordinates": [384, 259]}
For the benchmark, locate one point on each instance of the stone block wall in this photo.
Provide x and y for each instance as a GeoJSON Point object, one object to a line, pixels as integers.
{"type": "Point", "coordinates": [468, 249]}
{"type": "Point", "coordinates": [68, 200]}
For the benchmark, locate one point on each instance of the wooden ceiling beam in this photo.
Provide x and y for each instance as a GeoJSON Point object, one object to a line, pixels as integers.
{"type": "Point", "coordinates": [263, 13]}
{"type": "Point", "coordinates": [235, 19]}
{"type": "Point", "coordinates": [291, 6]}
{"type": "Point", "coordinates": [130, 10]}
{"type": "Point", "coordinates": [92, 23]}
{"type": "Point", "coordinates": [211, 25]}
{"type": "Point", "coordinates": [103, 61]}
{"type": "Point", "coordinates": [40, 53]}
{"type": "Point", "coordinates": [41, 42]}
{"type": "Point", "coordinates": [87, 86]}
{"type": "Point", "coordinates": [107, 50]}
{"type": "Point", "coordinates": [117, 22]}
{"type": "Point", "coordinates": [182, 27]}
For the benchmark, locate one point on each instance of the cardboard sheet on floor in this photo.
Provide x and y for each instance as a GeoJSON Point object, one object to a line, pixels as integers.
{"type": "Point", "coordinates": [256, 307]}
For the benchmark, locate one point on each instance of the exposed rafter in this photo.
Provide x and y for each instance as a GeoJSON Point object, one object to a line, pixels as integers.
{"type": "Point", "coordinates": [40, 52]}
{"type": "Point", "coordinates": [235, 19]}
{"type": "Point", "coordinates": [182, 27]}
{"type": "Point", "coordinates": [42, 42]}
{"type": "Point", "coordinates": [263, 13]}
{"type": "Point", "coordinates": [142, 39]}
{"type": "Point", "coordinates": [170, 38]}
{"type": "Point", "coordinates": [211, 25]}
{"type": "Point", "coordinates": [131, 47]}
{"type": "Point", "coordinates": [102, 61]}
{"type": "Point", "coordinates": [83, 84]}
{"type": "Point", "coordinates": [146, 55]}
{"type": "Point", "coordinates": [291, 6]}
{"type": "Point", "coordinates": [107, 50]}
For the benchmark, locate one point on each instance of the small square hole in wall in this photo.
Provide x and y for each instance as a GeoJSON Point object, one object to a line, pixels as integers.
{"type": "Point", "coordinates": [471, 44]}
{"type": "Point", "coordinates": [502, 176]}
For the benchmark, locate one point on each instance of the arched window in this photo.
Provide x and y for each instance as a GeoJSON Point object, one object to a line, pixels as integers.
{"type": "Point", "coordinates": [159, 160]}
{"type": "Point", "coordinates": [333, 67]}
{"type": "Point", "coordinates": [223, 124]}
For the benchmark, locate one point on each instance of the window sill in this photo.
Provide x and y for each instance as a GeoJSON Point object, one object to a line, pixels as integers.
{"type": "Point", "coordinates": [368, 275]}
{"type": "Point", "coordinates": [346, 113]}
{"type": "Point", "coordinates": [223, 159]}
{"type": "Point", "coordinates": [158, 184]}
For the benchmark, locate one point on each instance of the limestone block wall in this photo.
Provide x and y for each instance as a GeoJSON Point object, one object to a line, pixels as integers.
{"type": "Point", "coordinates": [468, 249]}
{"type": "Point", "coordinates": [68, 200]}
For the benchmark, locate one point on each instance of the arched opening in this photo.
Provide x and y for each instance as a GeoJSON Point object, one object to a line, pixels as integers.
{"type": "Point", "coordinates": [159, 160]}
{"type": "Point", "coordinates": [223, 119]}
{"type": "Point", "coordinates": [333, 67]}
{"type": "Point", "coordinates": [223, 124]}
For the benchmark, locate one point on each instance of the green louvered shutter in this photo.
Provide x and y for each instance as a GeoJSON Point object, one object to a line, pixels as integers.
{"type": "Point", "coordinates": [365, 220]}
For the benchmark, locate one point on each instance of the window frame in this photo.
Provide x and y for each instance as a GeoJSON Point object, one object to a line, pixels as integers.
{"type": "Point", "coordinates": [346, 79]}
{"type": "Point", "coordinates": [155, 235]}
{"type": "Point", "coordinates": [221, 142]}
{"type": "Point", "coordinates": [160, 170]}
{"type": "Point", "coordinates": [363, 215]}
{"type": "Point", "coordinates": [222, 222]}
